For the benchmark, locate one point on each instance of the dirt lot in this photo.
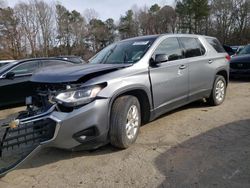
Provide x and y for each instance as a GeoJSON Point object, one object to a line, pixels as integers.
{"type": "Point", "coordinates": [195, 146]}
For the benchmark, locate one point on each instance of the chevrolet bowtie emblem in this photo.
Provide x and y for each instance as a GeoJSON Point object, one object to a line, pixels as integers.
{"type": "Point", "coordinates": [14, 124]}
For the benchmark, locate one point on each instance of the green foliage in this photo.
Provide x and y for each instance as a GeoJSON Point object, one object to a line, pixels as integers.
{"type": "Point", "coordinates": [192, 13]}
{"type": "Point", "coordinates": [127, 25]}
{"type": "Point", "coordinates": [27, 30]}
{"type": "Point", "coordinates": [154, 8]}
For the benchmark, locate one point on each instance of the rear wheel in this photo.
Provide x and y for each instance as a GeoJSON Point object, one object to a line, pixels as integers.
{"type": "Point", "coordinates": [218, 94]}
{"type": "Point", "coordinates": [125, 121]}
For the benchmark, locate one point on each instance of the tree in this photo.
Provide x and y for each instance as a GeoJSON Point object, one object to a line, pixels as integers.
{"type": "Point", "coordinates": [100, 33]}
{"type": "Point", "coordinates": [10, 34]}
{"type": "Point", "coordinates": [156, 20]}
{"type": "Point", "coordinates": [36, 28]}
{"type": "Point", "coordinates": [63, 29]}
{"type": "Point", "coordinates": [127, 26]}
{"type": "Point", "coordinates": [26, 13]}
{"type": "Point", "coordinates": [192, 15]}
{"type": "Point", "coordinates": [143, 20]}
{"type": "Point", "coordinates": [167, 20]}
{"type": "Point", "coordinates": [110, 24]}
{"type": "Point", "coordinates": [90, 14]}
{"type": "Point", "coordinates": [78, 32]}
{"type": "Point", "coordinates": [44, 14]}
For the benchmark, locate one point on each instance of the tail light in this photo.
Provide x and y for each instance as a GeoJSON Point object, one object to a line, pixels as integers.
{"type": "Point", "coordinates": [228, 57]}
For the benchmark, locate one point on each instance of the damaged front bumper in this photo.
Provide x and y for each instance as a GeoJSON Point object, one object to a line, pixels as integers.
{"type": "Point", "coordinates": [82, 128]}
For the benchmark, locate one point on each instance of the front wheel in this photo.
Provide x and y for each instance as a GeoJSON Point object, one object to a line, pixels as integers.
{"type": "Point", "coordinates": [218, 93]}
{"type": "Point", "coordinates": [125, 121]}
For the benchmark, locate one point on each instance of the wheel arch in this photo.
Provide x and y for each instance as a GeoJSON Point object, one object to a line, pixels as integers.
{"type": "Point", "coordinates": [143, 97]}
{"type": "Point", "coordinates": [224, 73]}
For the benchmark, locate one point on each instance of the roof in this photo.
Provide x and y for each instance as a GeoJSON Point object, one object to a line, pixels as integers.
{"type": "Point", "coordinates": [6, 61]}
{"type": "Point", "coordinates": [153, 37]}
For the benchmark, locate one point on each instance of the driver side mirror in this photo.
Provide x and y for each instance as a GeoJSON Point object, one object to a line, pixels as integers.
{"type": "Point", "coordinates": [10, 75]}
{"type": "Point", "coordinates": [159, 58]}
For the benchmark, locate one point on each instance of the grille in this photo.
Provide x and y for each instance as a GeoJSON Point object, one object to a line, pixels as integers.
{"type": "Point", "coordinates": [17, 143]}
{"type": "Point", "coordinates": [45, 89]}
{"type": "Point", "coordinates": [240, 65]}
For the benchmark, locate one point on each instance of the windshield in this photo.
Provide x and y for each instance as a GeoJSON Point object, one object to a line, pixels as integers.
{"type": "Point", "coordinates": [245, 50]}
{"type": "Point", "coordinates": [129, 52]}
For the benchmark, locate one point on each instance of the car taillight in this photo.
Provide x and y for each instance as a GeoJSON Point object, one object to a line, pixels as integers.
{"type": "Point", "coordinates": [228, 57]}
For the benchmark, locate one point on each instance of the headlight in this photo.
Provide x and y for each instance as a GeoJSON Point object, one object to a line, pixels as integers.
{"type": "Point", "coordinates": [79, 96]}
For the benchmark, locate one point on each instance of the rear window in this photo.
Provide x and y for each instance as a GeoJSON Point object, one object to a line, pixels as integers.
{"type": "Point", "coordinates": [216, 45]}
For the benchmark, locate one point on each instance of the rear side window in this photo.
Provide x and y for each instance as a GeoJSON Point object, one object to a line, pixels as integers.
{"type": "Point", "coordinates": [216, 45]}
{"type": "Point", "coordinates": [192, 46]}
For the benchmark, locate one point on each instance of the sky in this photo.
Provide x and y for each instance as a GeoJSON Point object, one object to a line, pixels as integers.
{"type": "Point", "coordinates": [105, 8]}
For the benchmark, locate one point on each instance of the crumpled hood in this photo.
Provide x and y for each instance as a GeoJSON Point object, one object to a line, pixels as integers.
{"type": "Point", "coordinates": [72, 73]}
{"type": "Point", "coordinates": [240, 59]}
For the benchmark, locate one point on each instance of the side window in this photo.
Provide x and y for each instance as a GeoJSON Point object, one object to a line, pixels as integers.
{"type": "Point", "coordinates": [170, 47]}
{"type": "Point", "coordinates": [25, 68]}
{"type": "Point", "coordinates": [47, 63]}
{"type": "Point", "coordinates": [192, 46]}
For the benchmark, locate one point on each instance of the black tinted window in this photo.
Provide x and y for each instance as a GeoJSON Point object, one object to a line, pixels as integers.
{"type": "Point", "coordinates": [47, 63]}
{"type": "Point", "coordinates": [192, 46]}
{"type": "Point", "coordinates": [170, 47]}
{"type": "Point", "coordinates": [216, 45]}
{"type": "Point", "coordinates": [25, 68]}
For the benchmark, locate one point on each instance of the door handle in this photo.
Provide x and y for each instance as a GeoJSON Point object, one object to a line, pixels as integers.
{"type": "Point", "coordinates": [182, 67]}
{"type": "Point", "coordinates": [210, 61]}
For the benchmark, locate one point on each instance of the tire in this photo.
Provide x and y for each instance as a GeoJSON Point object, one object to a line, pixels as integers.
{"type": "Point", "coordinates": [218, 93]}
{"type": "Point", "coordinates": [123, 118]}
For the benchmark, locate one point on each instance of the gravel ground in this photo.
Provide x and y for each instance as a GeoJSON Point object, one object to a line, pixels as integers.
{"type": "Point", "coordinates": [194, 146]}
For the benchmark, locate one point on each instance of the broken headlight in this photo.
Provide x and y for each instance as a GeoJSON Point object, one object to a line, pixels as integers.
{"type": "Point", "coordinates": [78, 96]}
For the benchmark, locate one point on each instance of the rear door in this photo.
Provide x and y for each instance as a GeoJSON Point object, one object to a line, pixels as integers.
{"type": "Point", "coordinates": [170, 79]}
{"type": "Point", "coordinates": [201, 72]}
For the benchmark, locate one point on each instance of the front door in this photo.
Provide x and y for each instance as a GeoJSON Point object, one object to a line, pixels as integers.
{"type": "Point", "coordinates": [169, 79]}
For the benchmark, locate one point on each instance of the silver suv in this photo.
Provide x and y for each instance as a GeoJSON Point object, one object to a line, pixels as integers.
{"type": "Point", "coordinates": [127, 84]}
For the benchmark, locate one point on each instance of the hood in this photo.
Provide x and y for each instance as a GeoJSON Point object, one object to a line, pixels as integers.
{"type": "Point", "coordinates": [241, 59]}
{"type": "Point", "coordinates": [73, 73]}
